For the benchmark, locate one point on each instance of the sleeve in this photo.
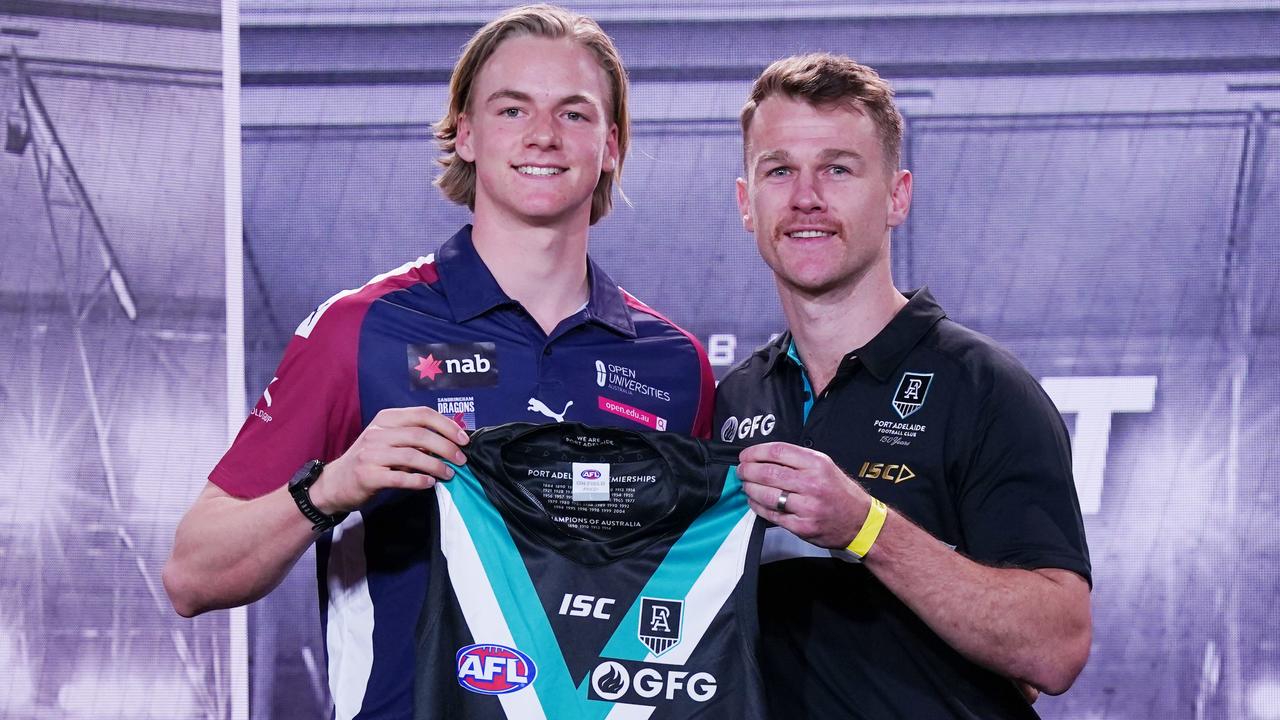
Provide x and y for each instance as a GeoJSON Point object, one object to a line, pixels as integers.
{"type": "Point", "coordinates": [309, 410]}
{"type": "Point", "coordinates": [1017, 499]}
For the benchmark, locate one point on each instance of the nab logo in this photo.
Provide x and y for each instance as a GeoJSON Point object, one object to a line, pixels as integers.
{"type": "Point", "coordinates": [452, 365]}
{"type": "Point", "coordinates": [912, 390]}
{"type": "Point", "coordinates": [494, 669]}
{"type": "Point", "coordinates": [896, 473]}
{"type": "Point", "coordinates": [734, 429]}
{"type": "Point", "coordinates": [586, 606]}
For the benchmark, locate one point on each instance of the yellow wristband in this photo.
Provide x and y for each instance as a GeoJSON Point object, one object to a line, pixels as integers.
{"type": "Point", "coordinates": [866, 537]}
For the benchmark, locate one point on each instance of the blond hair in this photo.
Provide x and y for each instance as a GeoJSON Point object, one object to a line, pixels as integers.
{"type": "Point", "coordinates": [458, 180]}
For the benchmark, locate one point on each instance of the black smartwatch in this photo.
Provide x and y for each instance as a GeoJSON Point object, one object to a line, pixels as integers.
{"type": "Point", "coordinates": [300, 487]}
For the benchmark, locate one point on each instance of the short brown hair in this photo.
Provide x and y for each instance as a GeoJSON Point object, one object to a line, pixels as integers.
{"type": "Point", "coordinates": [825, 80]}
{"type": "Point", "coordinates": [458, 181]}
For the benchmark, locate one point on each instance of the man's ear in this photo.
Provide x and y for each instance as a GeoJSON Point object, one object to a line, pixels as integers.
{"type": "Point", "coordinates": [744, 206]}
{"type": "Point", "coordinates": [462, 143]}
{"type": "Point", "coordinates": [899, 198]}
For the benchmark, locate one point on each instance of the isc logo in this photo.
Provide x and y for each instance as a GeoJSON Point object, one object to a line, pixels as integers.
{"type": "Point", "coordinates": [585, 606]}
{"type": "Point", "coordinates": [494, 669]}
{"type": "Point", "coordinates": [894, 472]}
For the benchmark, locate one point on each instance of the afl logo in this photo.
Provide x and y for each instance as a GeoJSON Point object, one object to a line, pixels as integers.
{"type": "Point", "coordinates": [601, 375]}
{"type": "Point", "coordinates": [590, 474]}
{"type": "Point", "coordinates": [494, 669]}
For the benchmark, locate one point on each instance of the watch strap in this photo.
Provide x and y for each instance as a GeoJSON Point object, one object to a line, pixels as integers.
{"type": "Point", "coordinates": [300, 489]}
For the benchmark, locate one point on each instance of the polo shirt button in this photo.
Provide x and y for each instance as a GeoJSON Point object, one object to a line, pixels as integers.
{"type": "Point", "coordinates": [808, 442]}
{"type": "Point", "coordinates": [546, 350]}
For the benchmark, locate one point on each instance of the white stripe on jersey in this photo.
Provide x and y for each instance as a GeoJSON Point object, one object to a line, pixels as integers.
{"type": "Point", "coordinates": [349, 632]}
{"type": "Point", "coordinates": [781, 544]}
{"type": "Point", "coordinates": [711, 591]}
{"type": "Point", "coordinates": [479, 605]}
{"type": "Point", "coordinates": [309, 323]}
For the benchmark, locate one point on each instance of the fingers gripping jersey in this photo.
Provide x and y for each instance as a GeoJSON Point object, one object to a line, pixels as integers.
{"type": "Point", "coordinates": [590, 573]}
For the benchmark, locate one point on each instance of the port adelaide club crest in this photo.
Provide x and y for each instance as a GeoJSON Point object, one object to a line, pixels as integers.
{"type": "Point", "coordinates": [660, 623]}
{"type": "Point", "coordinates": [911, 392]}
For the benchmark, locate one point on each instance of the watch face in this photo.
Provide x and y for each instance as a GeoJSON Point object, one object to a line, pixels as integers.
{"type": "Point", "coordinates": [307, 474]}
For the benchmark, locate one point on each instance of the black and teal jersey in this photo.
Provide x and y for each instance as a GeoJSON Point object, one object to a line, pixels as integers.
{"type": "Point", "coordinates": [590, 573]}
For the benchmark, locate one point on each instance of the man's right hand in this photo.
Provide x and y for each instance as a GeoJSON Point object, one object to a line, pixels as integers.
{"type": "Point", "coordinates": [400, 448]}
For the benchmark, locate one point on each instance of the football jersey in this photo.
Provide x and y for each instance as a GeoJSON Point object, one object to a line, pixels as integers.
{"type": "Point", "coordinates": [590, 573]}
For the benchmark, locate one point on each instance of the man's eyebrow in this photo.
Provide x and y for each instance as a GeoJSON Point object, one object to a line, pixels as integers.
{"type": "Point", "coordinates": [840, 154]}
{"type": "Point", "coordinates": [773, 156]}
{"type": "Point", "coordinates": [578, 100]}
{"type": "Point", "coordinates": [508, 95]}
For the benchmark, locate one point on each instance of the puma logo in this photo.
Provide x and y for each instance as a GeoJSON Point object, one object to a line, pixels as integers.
{"type": "Point", "coordinates": [536, 405]}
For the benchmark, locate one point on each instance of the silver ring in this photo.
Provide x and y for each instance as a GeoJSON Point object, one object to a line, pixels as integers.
{"type": "Point", "coordinates": [781, 503]}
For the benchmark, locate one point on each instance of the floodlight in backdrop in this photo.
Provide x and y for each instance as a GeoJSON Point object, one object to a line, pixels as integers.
{"type": "Point", "coordinates": [17, 123]}
{"type": "Point", "coordinates": [51, 157]}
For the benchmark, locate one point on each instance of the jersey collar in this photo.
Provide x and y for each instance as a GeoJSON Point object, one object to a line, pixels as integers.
{"type": "Point", "coordinates": [882, 355]}
{"type": "Point", "coordinates": [471, 289]}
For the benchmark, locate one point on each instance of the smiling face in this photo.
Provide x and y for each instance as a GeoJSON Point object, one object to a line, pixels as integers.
{"type": "Point", "coordinates": [538, 128]}
{"type": "Point", "coordinates": [819, 194]}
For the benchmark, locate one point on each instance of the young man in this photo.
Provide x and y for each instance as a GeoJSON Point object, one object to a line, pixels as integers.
{"type": "Point", "coordinates": [929, 544]}
{"type": "Point", "coordinates": [509, 321]}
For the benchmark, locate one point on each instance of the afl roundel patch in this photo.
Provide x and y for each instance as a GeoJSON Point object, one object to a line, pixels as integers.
{"type": "Point", "coordinates": [494, 669]}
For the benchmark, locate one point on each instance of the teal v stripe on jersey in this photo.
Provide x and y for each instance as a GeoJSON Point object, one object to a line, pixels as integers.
{"type": "Point", "coordinates": [682, 565]}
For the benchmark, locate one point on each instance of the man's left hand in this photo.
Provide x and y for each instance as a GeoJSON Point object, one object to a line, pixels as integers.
{"type": "Point", "coordinates": [822, 505]}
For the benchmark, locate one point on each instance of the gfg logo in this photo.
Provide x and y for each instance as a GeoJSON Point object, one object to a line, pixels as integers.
{"type": "Point", "coordinates": [612, 681]}
{"type": "Point", "coordinates": [494, 669]}
{"type": "Point", "coordinates": [734, 429]}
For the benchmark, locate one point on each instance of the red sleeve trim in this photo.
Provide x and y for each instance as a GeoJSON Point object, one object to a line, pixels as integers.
{"type": "Point", "coordinates": [707, 382]}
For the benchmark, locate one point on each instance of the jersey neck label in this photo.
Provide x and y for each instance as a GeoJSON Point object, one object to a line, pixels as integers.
{"type": "Point", "coordinates": [590, 482]}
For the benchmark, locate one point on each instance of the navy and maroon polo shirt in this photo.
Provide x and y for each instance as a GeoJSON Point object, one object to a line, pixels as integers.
{"type": "Point", "coordinates": [950, 430]}
{"type": "Point", "coordinates": [440, 332]}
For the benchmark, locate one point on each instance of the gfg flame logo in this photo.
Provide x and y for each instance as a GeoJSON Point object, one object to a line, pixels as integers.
{"type": "Point", "coordinates": [610, 680]}
{"type": "Point", "coordinates": [644, 684]}
{"type": "Point", "coordinates": [494, 669]}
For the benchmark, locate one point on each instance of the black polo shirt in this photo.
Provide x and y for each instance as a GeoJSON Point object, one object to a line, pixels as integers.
{"type": "Point", "coordinates": [950, 430]}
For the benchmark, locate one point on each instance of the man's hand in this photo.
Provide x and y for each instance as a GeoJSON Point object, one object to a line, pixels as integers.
{"type": "Point", "coordinates": [823, 505]}
{"type": "Point", "coordinates": [401, 448]}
